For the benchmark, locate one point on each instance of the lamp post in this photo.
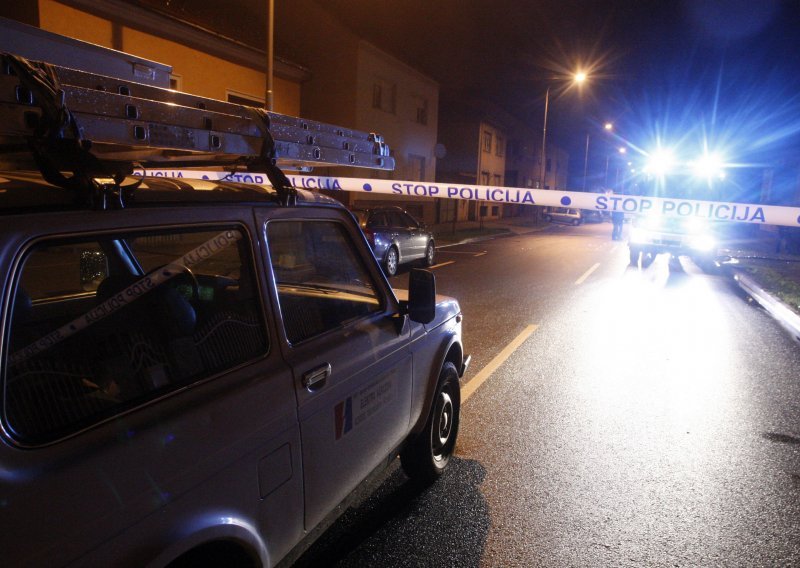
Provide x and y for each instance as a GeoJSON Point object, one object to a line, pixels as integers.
{"type": "Point", "coordinates": [585, 162]}
{"type": "Point", "coordinates": [544, 138]}
{"type": "Point", "coordinates": [578, 78]}
{"type": "Point", "coordinates": [608, 126]}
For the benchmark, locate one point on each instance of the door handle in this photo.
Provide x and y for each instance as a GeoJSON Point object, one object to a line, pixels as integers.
{"type": "Point", "coordinates": [315, 378]}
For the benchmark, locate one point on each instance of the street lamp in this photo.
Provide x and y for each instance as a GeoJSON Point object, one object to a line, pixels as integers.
{"type": "Point", "coordinates": [578, 78]}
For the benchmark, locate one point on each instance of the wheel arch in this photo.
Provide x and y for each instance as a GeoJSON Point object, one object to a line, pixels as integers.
{"type": "Point", "coordinates": [450, 352]}
{"type": "Point", "coordinates": [234, 538]}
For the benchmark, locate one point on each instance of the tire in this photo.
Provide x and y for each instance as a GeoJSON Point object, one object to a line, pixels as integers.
{"type": "Point", "coordinates": [576, 222]}
{"type": "Point", "coordinates": [390, 265]}
{"type": "Point", "coordinates": [427, 454]}
{"type": "Point", "coordinates": [547, 218]}
{"type": "Point", "coordinates": [430, 254]}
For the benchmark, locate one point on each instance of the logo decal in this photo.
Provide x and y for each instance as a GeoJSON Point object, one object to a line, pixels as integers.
{"type": "Point", "coordinates": [343, 414]}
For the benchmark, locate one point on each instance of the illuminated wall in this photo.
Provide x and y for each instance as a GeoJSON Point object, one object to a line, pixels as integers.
{"type": "Point", "coordinates": [197, 72]}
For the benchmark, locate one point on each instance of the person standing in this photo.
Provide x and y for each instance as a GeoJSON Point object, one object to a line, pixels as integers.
{"type": "Point", "coordinates": [617, 219]}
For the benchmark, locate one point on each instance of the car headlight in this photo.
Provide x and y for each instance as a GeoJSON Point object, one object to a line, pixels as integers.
{"type": "Point", "coordinates": [703, 243]}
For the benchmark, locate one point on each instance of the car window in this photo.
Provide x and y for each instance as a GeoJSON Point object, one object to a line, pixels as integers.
{"type": "Point", "coordinates": [377, 220]}
{"type": "Point", "coordinates": [322, 282]}
{"type": "Point", "coordinates": [397, 219]}
{"type": "Point", "coordinates": [408, 220]}
{"type": "Point", "coordinates": [88, 344]}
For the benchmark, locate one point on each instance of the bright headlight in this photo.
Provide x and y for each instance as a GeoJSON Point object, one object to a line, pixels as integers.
{"type": "Point", "coordinates": [703, 243]}
{"type": "Point", "coordinates": [709, 166]}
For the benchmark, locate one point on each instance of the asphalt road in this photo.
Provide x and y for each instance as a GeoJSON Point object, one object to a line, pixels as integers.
{"type": "Point", "coordinates": [642, 417]}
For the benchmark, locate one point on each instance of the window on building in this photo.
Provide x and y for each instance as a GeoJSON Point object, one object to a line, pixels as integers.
{"type": "Point", "coordinates": [498, 180]}
{"type": "Point", "coordinates": [485, 178]}
{"type": "Point", "coordinates": [121, 323]}
{"type": "Point", "coordinates": [495, 210]}
{"type": "Point", "coordinates": [245, 99]}
{"type": "Point", "coordinates": [500, 148]}
{"type": "Point", "coordinates": [421, 110]}
{"type": "Point", "coordinates": [384, 96]}
{"type": "Point", "coordinates": [487, 141]}
{"type": "Point", "coordinates": [175, 82]}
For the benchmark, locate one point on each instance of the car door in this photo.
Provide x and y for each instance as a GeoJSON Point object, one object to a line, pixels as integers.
{"type": "Point", "coordinates": [163, 402]}
{"type": "Point", "coordinates": [417, 236]}
{"type": "Point", "coordinates": [402, 233]}
{"type": "Point", "coordinates": [348, 349]}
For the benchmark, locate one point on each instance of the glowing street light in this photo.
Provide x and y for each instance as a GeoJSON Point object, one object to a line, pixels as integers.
{"type": "Point", "coordinates": [608, 126]}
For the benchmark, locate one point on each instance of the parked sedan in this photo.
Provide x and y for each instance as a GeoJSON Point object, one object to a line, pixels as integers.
{"type": "Point", "coordinates": [396, 237]}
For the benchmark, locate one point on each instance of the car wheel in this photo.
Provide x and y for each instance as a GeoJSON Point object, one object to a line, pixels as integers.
{"type": "Point", "coordinates": [576, 222]}
{"type": "Point", "coordinates": [427, 454]}
{"type": "Point", "coordinates": [547, 218]}
{"type": "Point", "coordinates": [430, 254]}
{"type": "Point", "coordinates": [390, 266]}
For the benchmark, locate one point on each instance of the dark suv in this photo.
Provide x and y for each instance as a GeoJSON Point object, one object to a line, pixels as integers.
{"type": "Point", "coordinates": [396, 237]}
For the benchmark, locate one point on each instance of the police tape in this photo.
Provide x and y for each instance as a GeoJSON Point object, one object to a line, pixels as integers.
{"type": "Point", "coordinates": [629, 204]}
{"type": "Point", "coordinates": [133, 292]}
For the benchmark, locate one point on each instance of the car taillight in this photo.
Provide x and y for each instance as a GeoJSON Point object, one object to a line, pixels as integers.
{"type": "Point", "coordinates": [370, 236]}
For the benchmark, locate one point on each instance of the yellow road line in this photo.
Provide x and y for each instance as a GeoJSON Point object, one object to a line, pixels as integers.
{"type": "Point", "coordinates": [587, 274]}
{"type": "Point", "coordinates": [441, 264]}
{"type": "Point", "coordinates": [481, 253]}
{"type": "Point", "coordinates": [487, 371]}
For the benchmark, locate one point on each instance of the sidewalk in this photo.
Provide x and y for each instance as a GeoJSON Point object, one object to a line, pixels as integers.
{"type": "Point", "coordinates": [474, 231]}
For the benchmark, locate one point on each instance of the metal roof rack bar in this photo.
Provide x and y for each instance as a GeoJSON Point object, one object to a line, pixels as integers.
{"type": "Point", "coordinates": [120, 121]}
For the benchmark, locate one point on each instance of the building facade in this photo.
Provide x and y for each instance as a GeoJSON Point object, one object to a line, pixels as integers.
{"type": "Point", "coordinates": [203, 63]}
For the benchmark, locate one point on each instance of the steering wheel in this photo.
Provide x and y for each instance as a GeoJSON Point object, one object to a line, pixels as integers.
{"type": "Point", "coordinates": [185, 277]}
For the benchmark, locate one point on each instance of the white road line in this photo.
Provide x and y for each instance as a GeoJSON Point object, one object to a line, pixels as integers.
{"type": "Point", "coordinates": [441, 264]}
{"type": "Point", "coordinates": [481, 253]}
{"type": "Point", "coordinates": [587, 274]}
{"type": "Point", "coordinates": [487, 371]}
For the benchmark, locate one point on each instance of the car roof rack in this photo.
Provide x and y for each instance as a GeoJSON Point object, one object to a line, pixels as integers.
{"type": "Point", "coordinates": [85, 131]}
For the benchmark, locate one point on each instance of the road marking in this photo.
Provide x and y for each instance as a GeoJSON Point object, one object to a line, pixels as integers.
{"type": "Point", "coordinates": [481, 253]}
{"type": "Point", "coordinates": [441, 264]}
{"type": "Point", "coordinates": [487, 371]}
{"type": "Point", "coordinates": [460, 252]}
{"type": "Point", "coordinates": [587, 274]}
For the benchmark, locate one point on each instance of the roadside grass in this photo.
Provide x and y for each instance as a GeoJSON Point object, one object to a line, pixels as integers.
{"type": "Point", "coordinates": [779, 277]}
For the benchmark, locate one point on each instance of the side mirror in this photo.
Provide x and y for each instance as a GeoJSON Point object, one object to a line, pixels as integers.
{"type": "Point", "coordinates": [421, 296]}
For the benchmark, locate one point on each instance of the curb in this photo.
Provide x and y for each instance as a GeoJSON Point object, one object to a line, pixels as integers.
{"type": "Point", "coordinates": [776, 308]}
{"type": "Point", "coordinates": [506, 234]}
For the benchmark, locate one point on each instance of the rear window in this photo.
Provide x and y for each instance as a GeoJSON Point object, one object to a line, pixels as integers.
{"type": "Point", "coordinates": [102, 324]}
